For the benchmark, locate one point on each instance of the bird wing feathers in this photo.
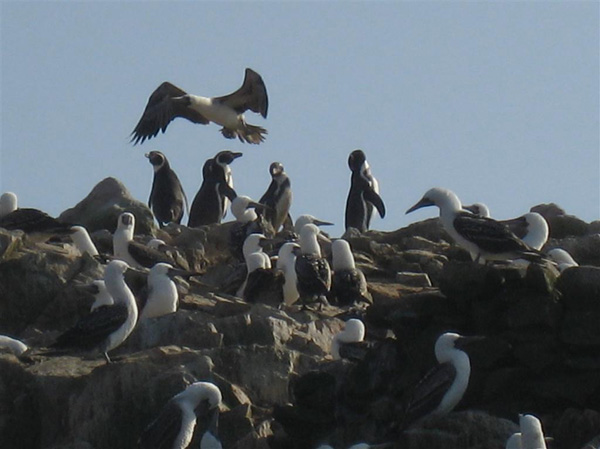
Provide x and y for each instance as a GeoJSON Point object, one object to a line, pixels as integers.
{"type": "Point", "coordinates": [161, 433]}
{"type": "Point", "coordinates": [252, 95]}
{"type": "Point", "coordinates": [488, 234]}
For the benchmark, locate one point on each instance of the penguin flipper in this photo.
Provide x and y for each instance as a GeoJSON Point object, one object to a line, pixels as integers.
{"type": "Point", "coordinates": [373, 197]}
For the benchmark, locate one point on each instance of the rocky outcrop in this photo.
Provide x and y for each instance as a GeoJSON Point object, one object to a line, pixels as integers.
{"type": "Point", "coordinates": [281, 388]}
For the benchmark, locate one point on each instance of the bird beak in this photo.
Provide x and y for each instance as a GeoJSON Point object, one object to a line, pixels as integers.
{"type": "Point", "coordinates": [463, 343]}
{"type": "Point", "coordinates": [256, 205]}
{"type": "Point", "coordinates": [236, 155]}
{"type": "Point", "coordinates": [147, 155]}
{"type": "Point", "coordinates": [425, 202]}
{"type": "Point", "coordinates": [322, 223]}
{"type": "Point", "coordinates": [322, 237]}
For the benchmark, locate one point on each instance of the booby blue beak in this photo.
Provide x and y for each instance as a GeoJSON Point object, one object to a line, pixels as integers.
{"type": "Point", "coordinates": [424, 202]}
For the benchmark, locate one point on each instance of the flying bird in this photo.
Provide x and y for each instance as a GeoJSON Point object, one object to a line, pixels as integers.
{"type": "Point", "coordinates": [168, 102]}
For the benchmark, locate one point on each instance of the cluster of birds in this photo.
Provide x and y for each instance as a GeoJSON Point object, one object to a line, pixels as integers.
{"type": "Point", "coordinates": [302, 272]}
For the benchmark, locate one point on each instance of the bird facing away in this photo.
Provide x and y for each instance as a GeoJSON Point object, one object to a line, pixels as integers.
{"type": "Point", "coordinates": [17, 347]}
{"type": "Point", "coordinates": [83, 241]}
{"type": "Point", "coordinates": [211, 202]}
{"type": "Point", "coordinates": [167, 198]}
{"type": "Point", "coordinates": [442, 388]}
{"type": "Point", "coordinates": [354, 332]}
{"type": "Point", "coordinates": [531, 435]}
{"type": "Point", "coordinates": [107, 326]}
{"type": "Point", "coordinates": [8, 203]}
{"type": "Point", "coordinates": [278, 197]}
{"type": "Point", "coordinates": [168, 102]}
{"type": "Point", "coordinates": [312, 271]}
{"type": "Point", "coordinates": [481, 236]}
{"type": "Point", "coordinates": [348, 283]}
{"type": "Point", "coordinates": [163, 297]}
{"type": "Point", "coordinates": [562, 258]}
{"type": "Point", "coordinates": [286, 262]}
{"type": "Point", "coordinates": [174, 427]}
{"type": "Point", "coordinates": [363, 195]}
{"type": "Point", "coordinates": [27, 220]}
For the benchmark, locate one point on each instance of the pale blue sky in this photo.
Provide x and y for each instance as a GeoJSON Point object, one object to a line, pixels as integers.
{"type": "Point", "coordinates": [498, 101]}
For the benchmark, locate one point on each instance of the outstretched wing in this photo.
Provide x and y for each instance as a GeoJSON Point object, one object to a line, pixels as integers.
{"type": "Point", "coordinates": [252, 95]}
{"type": "Point", "coordinates": [166, 103]}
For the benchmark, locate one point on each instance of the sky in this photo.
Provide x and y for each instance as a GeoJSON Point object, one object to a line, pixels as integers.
{"type": "Point", "coordinates": [497, 101]}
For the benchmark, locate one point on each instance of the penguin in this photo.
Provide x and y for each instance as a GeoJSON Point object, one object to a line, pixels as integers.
{"type": "Point", "coordinates": [167, 198]}
{"type": "Point", "coordinates": [312, 271]}
{"type": "Point", "coordinates": [278, 196]}
{"type": "Point", "coordinates": [363, 194]}
{"type": "Point", "coordinates": [211, 201]}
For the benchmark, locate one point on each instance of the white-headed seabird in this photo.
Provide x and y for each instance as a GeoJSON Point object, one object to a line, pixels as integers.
{"type": "Point", "coordinates": [286, 263]}
{"type": "Point", "coordinates": [481, 236]}
{"type": "Point", "coordinates": [8, 203]}
{"type": "Point", "coordinates": [101, 296]}
{"type": "Point", "coordinates": [168, 102]}
{"type": "Point", "coordinates": [107, 326]}
{"type": "Point", "coordinates": [261, 279]}
{"type": "Point", "coordinates": [348, 283]}
{"type": "Point", "coordinates": [278, 196]}
{"type": "Point", "coordinates": [27, 220]}
{"type": "Point", "coordinates": [354, 332]}
{"type": "Point", "coordinates": [312, 271]}
{"type": "Point", "coordinates": [305, 219]}
{"type": "Point", "coordinates": [17, 347]}
{"type": "Point", "coordinates": [363, 194]}
{"type": "Point", "coordinates": [478, 209]}
{"type": "Point", "coordinates": [531, 435]}
{"type": "Point", "coordinates": [442, 388]}
{"type": "Point", "coordinates": [562, 258]}
{"type": "Point", "coordinates": [253, 245]}
{"type": "Point", "coordinates": [83, 241]}
{"type": "Point", "coordinates": [247, 221]}
{"type": "Point", "coordinates": [211, 202]}
{"type": "Point", "coordinates": [167, 198]}
{"type": "Point", "coordinates": [163, 297]}
{"type": "Point", "coordinates": [174, 427]}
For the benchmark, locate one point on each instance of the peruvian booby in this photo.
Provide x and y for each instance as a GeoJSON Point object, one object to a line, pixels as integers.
{"type": "Point", "coordinates": [27, 220]}
{"type": "Point", "coordinates": [278, 196]}
{"type": "Point", "coordinates": [442, 388]}
{"type": "Point", "coordinates": [247, 222]}
{"type": "Point", "coordinates": [261, 280]}
{"type": "Point", "coordinates": [363, 195]}
{"type": "Point", "coordinates": [348, 283]}
{"type": "Point", "coordinates": [163, 297]}
{"type": "Point", "coordinates": [286, 263]}
{"type": "Point", "coordinates": [531, 435]}
{"type": "Point", "coordinates": [83, 241]}
{"type": "Point", "coordinates": [305, 219]}
{"type": "Point", "coordinates": [312, 271]}
{"type": "Point", "coordinates": [354, 332]}
{"type": "Point", "coordinates": [174, 427]}
{"type": "Point", "coordinates": [211, 202]}
{"type": "Point", "coordinates": [107, 326]}
{"type": "Point", "coordinates": [481, 236]}
{"type": "Point", "coordinates": [562, 258]}
{"type": "Point", "coordinates": [478, 209]}
{"type": "Point", "coordinates": [253, 245]}
{"type": "Point", "coordinates": [167, 198]}
{"type": "Point", "coordinates": [17, 347]}
{"type": "Point", "coordinates": [168, 102]}
{"type": "Point", "coordinates": [137, 255]}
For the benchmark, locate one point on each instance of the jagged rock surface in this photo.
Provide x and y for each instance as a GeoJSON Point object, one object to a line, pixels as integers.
{"type": "Point", "coordinates": [281, 389]}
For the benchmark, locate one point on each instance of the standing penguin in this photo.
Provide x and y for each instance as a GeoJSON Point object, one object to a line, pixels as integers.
{"type": "Point", "coordinates": [167, 197]}
{"type": "Point", "coordinates": [278, 196]}
{"type": "Point", "coordinates": [363, 195]}
{"type": "Point", "coordinates": [210, 203]}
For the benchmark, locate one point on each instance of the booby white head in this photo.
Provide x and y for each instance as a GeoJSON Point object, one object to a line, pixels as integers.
{"type": "Point", "coordinates": [122, 236]}
{"type": "Point", "coordinates": [478, 209]}
{"type": "Point", "coordinates": [305, 219]}
{"type": "Point", "coordinates": [101, 295]}
{"type": "Point", "coordinates": [199, 398]}
{"type": "Point", "coordinates": [532, 228]}
{"type": "Point", "coordinates": [532, 436]}
{"type": "Point", "coordinates": [514, 441]}
{"type": "Point", "coordinates": [286, 262]}
{"type": "Point", "coordinates": [354, 332]}
{"type": "Point", "coordinates": [15, 346]}
{"type": "Point", "coordinates": [155, 243]}
{"type": "Point", "coordinates": [563, 259]}
{"type": "Point", "coordinates": [343, 259]}
{"type": "Point", "coordinates": [252, 244]}
{"type": "Point", "coordinates": [163, 296]}
{"type": "Point", "coordinates": [8, 203]}
{"type": "Point", "coordinates": [82, 241]}
{"type": "Point", "coordinates": [242, 209]}
{"type": "Point", "coordinates": [308, 239]}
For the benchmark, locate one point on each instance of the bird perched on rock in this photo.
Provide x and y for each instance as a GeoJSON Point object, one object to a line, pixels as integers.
{"type": "Point", "coordinates": [17, 347]}
{"type": "Point", "coordinates": [163, 297]}
{"type": "Point", "coordinates": [531, 435]}
{"type": "Point", "coordinates": [312, 270]}
{"type": "Point", "coordinates": [247, 222]}
{"type": "Point", "coordinates": [286, 263]}
{"type": "Point", "coordinates": [83, 241]}
{"type": "Point", "coordinates": [278, 196]}
{"type": "Point", "coordinates": [363, 195]}
{"type": "Point", "coordinates": [348, 283]}
{"type": "Point", "coordinates": [174, 427]}
{"type": "Point", "coordinates": [562, 258]}
{"type": "Point", "coordinates": [27, 220]}
{"type": "Point", "coordinates": [442, 388]}
{"type": "Point", "coordinates": [262, 283]}
{"type": "Point", "coordinates": [211, 201]}
{"type": "Point", "coordinates": [167, 198]}
{"type": "Point", "coordinates": [354, 332]}
{"type": "Point", "coordinates": [107, 326]}
{"type": "Point", "coordinates": [481, 236]}
{"type": "Point", "coordinates": [168, 102]}
{"type": "Point", "coordinates": [135, 254]}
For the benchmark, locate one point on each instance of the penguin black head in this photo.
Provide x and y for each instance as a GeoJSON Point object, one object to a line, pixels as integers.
{"type": "Point", "coordinates": [226, 157]}
{"type": "Point", "coordinates": [157, 159]}
{"type": "Point", "coordinates": [276, 169]}
{"type": "Point", "coordinates": [356, 159]}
